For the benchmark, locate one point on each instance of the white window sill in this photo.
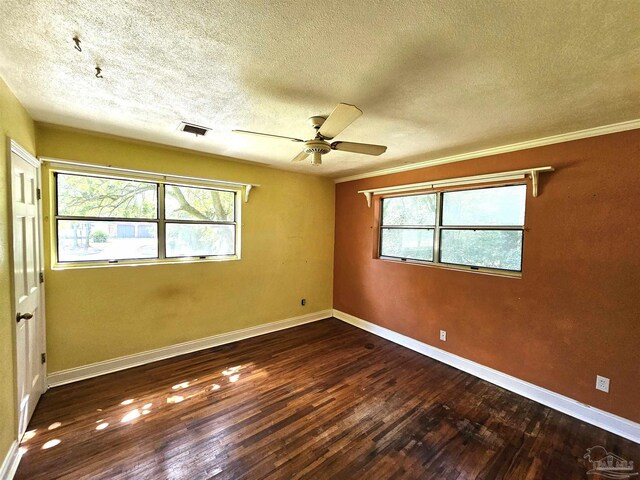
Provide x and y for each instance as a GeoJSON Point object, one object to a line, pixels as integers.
{"type": "Point", "coordinates": [459, 268]}
{"type": "Point", "coordinates": [141, 263]}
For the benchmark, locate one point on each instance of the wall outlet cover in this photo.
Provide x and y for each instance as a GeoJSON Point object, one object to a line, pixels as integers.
{"type": "Point", "coordinates": [602, 383]}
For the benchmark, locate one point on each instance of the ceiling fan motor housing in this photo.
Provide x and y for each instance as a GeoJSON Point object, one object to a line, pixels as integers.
{"type": "Point", "coordinates": [317, 148]}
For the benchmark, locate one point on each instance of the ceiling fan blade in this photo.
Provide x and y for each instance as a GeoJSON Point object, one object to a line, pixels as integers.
{"type": "Point", "coordinates": [300, 157]}
{"type": "Point", "coordinates": [341, 117]}
{"type": "Point", "coordinates": [365, 148]}
{"type": "Point", "coordinates": [247, 132]}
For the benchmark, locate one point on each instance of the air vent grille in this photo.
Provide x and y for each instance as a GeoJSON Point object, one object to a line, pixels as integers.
{"type": "Point", "coordinates": [197, 130]}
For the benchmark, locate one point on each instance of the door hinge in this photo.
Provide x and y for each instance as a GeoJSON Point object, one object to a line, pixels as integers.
{"type": "Point", "coordinates": [38, 193]}
{"type": "Point", "coordinates": [41, 277]}
{"type": "Point", "coordinates": [43, 357]}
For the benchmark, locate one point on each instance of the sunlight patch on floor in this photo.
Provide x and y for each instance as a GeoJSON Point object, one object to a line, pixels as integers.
{"type": "Point", "coordinates": [132, 415]}
{"type": "Point", "coordinates": [231, 371]}
{"type": "Point", "coordinates": [51, 443]}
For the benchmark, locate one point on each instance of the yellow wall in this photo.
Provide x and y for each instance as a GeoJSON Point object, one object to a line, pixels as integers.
{"type": "Point", "coordinates": [15, 123]}
{"type": "Point", "coordinates": [97, 314]}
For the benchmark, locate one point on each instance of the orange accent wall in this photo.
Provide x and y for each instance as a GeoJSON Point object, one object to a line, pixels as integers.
{"type": "Point", "coordinates": [574, 313]}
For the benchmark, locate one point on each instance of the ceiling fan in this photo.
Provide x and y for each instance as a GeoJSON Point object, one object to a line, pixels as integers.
{"type": "Point", "coordinates": [326, 129]}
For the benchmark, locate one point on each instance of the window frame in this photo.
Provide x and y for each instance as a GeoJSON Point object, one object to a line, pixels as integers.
{"type": "Point", "coordinates": [440, 227]}
{"type": "Point", "coordinates": [159, 220]}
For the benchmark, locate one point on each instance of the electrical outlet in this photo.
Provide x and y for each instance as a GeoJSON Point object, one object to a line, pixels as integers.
{"type": "Point", "coordinates": [602, 383]}
{"type": "Point", "coordinates": [303, 302]}
{"type": "Point", "coordinates": [443, 335]}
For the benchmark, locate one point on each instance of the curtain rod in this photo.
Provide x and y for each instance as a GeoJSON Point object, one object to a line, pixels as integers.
{"type": "Point", "coordinates": [450, 182]}
{"type": "Point", "coordinates": [57, 163]}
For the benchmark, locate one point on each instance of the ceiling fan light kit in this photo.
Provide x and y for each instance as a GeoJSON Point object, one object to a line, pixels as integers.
{"type": "Point", "coordinates": [327, 129]}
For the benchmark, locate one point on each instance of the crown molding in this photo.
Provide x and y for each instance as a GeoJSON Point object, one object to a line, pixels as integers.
{"type": "Point", "coordinates": [513, 147]}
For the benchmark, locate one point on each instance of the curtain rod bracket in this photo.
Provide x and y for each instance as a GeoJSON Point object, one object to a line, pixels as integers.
{"type": "Point", "coordinates": [534, 182]}
{"type": "Point", "coordinates": [247, 190]}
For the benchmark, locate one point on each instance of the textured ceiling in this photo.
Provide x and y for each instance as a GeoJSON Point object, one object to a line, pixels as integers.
{"type": "Point", "coordinates": [433, 78]}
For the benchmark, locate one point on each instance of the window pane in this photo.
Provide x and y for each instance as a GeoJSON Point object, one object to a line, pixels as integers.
{"type": "Point", "coordinates": [410, 210]}
{"type": "Point", "coordinates": [482, 248]}
{"type": "Point", "coordinates": [411, 243]}
{"type": "Point", "coordinates": [187, 203]}
{"type": "Point", "coordinates": [196, 240]}
{"type": "Point", "coordinates": [80, 241]}
{"type": "Point", "coordinates": [487, 206]}
{"type": "Point", "coordinates": [106, 197]}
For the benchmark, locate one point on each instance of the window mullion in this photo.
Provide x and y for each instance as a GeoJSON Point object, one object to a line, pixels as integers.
{"type": "Point", "coordinates": [83, 218]}
{"type": "Point", "coordinates": [197, 222]}
{"type": "Point", "coordinates": [436, 240]}
{"type": "Point", "coordinates": [162, 252]}
{"type": "Point", "coordinates": [482, 227]}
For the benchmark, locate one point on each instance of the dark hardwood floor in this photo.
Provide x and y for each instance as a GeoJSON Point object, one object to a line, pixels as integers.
{"type": "Point", "coordinates": [321, 401]}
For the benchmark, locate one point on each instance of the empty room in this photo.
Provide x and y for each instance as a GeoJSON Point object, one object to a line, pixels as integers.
{"type": "Point", "coordinates": [319, 240]}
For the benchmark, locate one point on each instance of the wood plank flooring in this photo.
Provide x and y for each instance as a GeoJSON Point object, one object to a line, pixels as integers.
{"type": "Point", "coordinates": [321, 401]}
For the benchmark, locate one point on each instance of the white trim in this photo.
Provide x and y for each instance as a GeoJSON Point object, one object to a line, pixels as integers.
{"type": "Point", "coordinates": [607, 421]}
{"type": "Point", "coordinates": [23, 153]}
{"type": "Point", "coordinates": [11, 462]}
{"type": "Point", "coordinates": [514, 147]}
{"type": "Point", "coordinates": [109, 366]}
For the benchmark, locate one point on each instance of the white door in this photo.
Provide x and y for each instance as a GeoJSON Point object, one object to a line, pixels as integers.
{"type": "Point", "coordinates": [27, 266]}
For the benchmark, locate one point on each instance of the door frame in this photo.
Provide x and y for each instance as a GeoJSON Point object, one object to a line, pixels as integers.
{"type": "Point", "coordinates": [15, 148]}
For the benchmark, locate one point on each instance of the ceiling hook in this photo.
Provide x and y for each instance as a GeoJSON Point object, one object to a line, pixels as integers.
{"type": "Point", "coordinates": [98, 72]}
{"type": "Point", "coordinates": [77, 42]}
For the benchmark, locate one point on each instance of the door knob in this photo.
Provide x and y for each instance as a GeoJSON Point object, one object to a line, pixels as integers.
{"type": "Point", "coordinates": [25, 316]}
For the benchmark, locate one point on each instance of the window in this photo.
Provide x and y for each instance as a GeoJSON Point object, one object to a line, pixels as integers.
{"type": "Point", "coordinates": [479, 228]}
{"type": "Point", "coordinates": [408, 227]}
{"type": "Point", "coordinates": [109, 220]}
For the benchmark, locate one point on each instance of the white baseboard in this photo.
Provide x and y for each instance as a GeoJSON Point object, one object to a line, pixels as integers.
{"type": "Point", "coordinates": [607, 421]}
{"type": "Point", "coordinates": [109, 366]}
{"type": "Point", "coordinates": [11, 462]}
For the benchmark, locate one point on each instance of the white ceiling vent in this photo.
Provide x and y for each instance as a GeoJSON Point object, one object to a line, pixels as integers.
{"type": "Point", "coordinates": [197, 130]}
